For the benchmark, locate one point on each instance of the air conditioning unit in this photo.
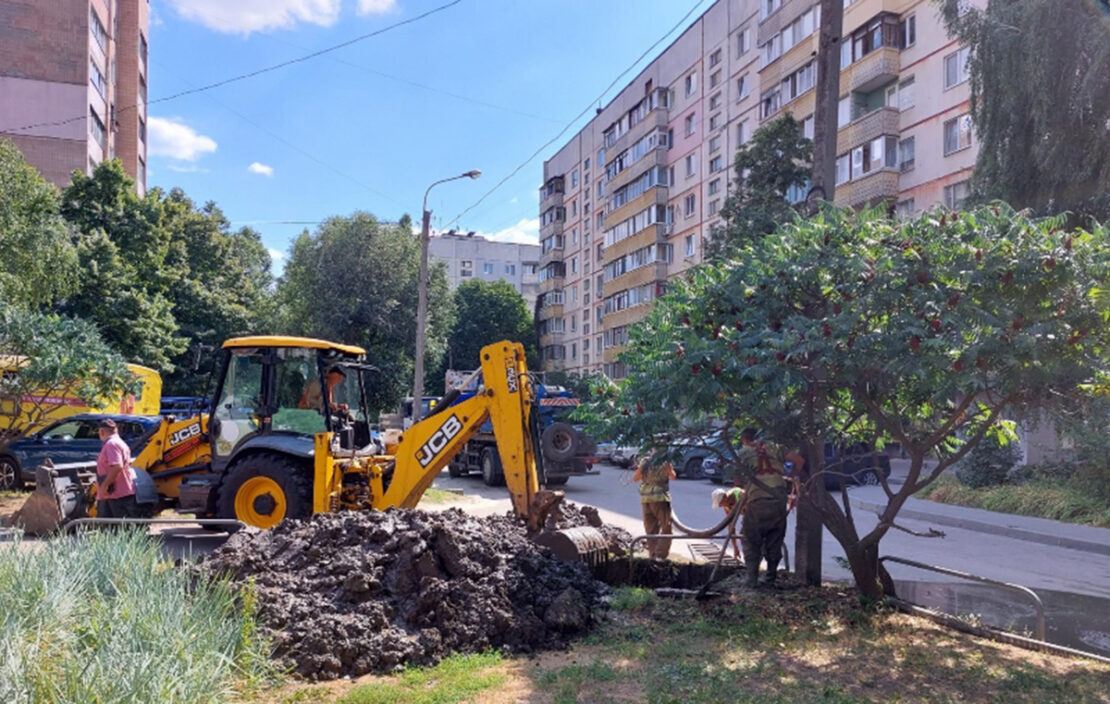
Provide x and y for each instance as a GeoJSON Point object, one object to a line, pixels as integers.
{"type": "Point", "coordinates": [668, 229]}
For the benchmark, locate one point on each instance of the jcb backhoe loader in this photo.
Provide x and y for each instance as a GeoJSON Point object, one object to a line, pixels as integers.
{"type": "Point", "coordinates": [288, 436]}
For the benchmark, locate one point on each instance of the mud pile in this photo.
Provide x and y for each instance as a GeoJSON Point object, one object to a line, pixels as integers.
{"type": "Point", "coordinates": [351, 593]}
{"type": "Point", "coordinates": [570, 515]}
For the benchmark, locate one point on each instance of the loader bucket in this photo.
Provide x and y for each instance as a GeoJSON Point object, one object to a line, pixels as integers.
{"type": "Point", "coordinates": [583, 544]}
{"type": "Point", "coordinates": [58, 498]}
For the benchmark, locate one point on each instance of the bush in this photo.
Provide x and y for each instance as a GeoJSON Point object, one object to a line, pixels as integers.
{"type": "Point", "coordinates": [989, 463]}
{"type": "Point", "coordinates": [104, 618]}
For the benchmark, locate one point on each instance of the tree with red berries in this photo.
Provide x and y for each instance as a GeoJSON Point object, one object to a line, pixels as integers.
{"type": "Point", "coordinates": [855, 327]}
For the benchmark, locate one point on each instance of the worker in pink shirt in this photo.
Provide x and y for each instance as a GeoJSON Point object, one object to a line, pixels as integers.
{"type": "Point", "coordinates": [115, 485]}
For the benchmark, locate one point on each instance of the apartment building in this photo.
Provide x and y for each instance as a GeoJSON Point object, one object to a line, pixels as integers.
{"type": "Point", "coordinates": [73, 84]}
{"type": "Point", "coordinates": [629, 202]}
{"type": "Point", "coordinates": [475, 257]}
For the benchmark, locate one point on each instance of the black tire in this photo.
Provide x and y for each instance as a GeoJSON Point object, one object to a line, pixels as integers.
{"type": "Point", "coordinates": [456, 470]}
{"type": "Point", "coordinates": [560, 442]}
{"type": "Point", "coordinates": [692, 468]}
{"type": "Point", "coordinates": [11, 476]}
{"type": "Point", "coordinates": [556, 481]}
{"type": "Point", "coordinates": [492, 473]}
{"type": "Point", "coordinates": [867, 477]}
{"type": "Point", "coordinates": [291, 477]}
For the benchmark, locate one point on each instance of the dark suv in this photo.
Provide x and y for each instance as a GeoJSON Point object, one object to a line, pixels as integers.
{"type": "Point", "coordinates": [856, 461]}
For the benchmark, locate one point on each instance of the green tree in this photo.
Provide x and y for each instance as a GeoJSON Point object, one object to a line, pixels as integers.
{"type": "Point", "coordinates": [854, 327]}
{"type": "Point", "coordinates": [1040, 101]}
{"type": "Point", "coordinates": [124, 281]}
{"type": "Point", "coordinates": [223, 282]}
{"type": "Point", "coordinates": [777, 158]}
{"type": "Point", "coordinates": [37, 259]}
{"type": "Point", "coordinates": [50, 358]}
{"type": "Point", "coordinates": [355, 281]}
{"type": "Point", "coordinates": [487, 312]}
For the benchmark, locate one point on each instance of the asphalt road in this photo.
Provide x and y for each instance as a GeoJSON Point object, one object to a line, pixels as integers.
{"type": "Point", "coordinates": [1006, 559]}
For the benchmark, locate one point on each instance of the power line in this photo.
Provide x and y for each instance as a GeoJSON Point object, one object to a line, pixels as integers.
{"type": "Point", "coordinates": [252, 74]}
{"type": "Point", "coordinates": [579, 115]}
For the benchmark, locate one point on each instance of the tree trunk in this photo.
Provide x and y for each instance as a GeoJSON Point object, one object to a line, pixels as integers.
{"type": "Point", "coordinates": [871, 577]}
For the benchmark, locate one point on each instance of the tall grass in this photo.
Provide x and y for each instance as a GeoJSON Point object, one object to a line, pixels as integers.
{"type": "Point", "coordinates": [103, 618]}
{"type": "Point", "coordinates": [1060, 502]}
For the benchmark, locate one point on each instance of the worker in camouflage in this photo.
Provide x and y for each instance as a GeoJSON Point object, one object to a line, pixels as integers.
{"type": "Point", "coordinates": [766, 491]}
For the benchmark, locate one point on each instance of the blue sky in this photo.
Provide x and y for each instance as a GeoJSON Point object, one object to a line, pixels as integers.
{"type": "Point", "coordinates": [482, 84]}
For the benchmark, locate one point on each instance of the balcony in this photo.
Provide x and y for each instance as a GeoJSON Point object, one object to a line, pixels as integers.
{"type": "Point", "coordinates": [875, 124]}
{"type": "Point", "coordinates": [877, 68]}
{"type": "Point", "coordinates": [869, 189]}
{"type": "Point", "coordinates": [551, 338]}
{"type": "Point", "coordinates": [551, 193]}
{"type": "Point", "coordinates": [656, 157]}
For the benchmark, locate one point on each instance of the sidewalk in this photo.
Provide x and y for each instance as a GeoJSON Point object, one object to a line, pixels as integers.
{"type": "Point", "coordinates": [1034, 530]}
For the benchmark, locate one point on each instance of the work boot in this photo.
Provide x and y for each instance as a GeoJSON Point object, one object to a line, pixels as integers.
{"type": "Point", "coordinates": [770, 578]}
{"type": "Point", "coordinates": [752, 580]}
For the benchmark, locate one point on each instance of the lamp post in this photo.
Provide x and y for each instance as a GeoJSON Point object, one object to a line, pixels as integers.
{"type": "Point", "coordinates": [422, 296]}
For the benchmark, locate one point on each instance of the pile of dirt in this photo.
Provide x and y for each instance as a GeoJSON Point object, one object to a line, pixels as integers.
{"type": "Point", "coordinates": [352, 593]}
{"type": "Point", "coordinates": [571, 515]}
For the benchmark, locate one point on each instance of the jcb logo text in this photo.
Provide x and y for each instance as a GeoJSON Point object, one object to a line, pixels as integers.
{"type": "Point", "coordinates": [439, 440]}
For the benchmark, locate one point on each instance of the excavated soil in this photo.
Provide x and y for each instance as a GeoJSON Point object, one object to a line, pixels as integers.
{"type": "Point", "coordinates": [352, 593]}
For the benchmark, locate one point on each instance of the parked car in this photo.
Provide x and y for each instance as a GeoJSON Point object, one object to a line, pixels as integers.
{"type": "Point", "coordinates": [688, 454]}
{"type": "Point", "coordinates": [624, 455]}
{"type": "Point", "coordinates": [72, 439]}
{"type": "Point", "coordinates": [856, 461]}
{"type": "Point", "coordinates": [604, 451]}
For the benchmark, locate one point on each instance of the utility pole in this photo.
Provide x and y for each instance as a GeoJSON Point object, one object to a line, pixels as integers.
{"type": "Point", "coordinates": [422, 297]}
{"type": "Point", "coordinates": [809, 529]}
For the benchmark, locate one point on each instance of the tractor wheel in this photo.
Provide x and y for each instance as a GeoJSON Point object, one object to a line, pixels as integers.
{"type": "Point", "coordinates": [492, 474]}
{"type": "Point", "coordinates": [262, 490]}
{"type": "Point", "coordinates": [10, 475]}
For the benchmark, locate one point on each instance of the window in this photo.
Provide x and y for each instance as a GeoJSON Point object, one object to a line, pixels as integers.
{"type": "Point", "coordinates": [467, 264]}
{"type": "Point", "coordinates": [771, 101]}
{"type": "Point", "coordinates": [844, 111]}
{"type": "Point", "coordinates": [574, 207]}
{"type": "Point", "coordinates": [96, 78]}
{"type": "Point", "coordinates": [142, 49]}
{"type": "Point", "coordinates": [714, 58]}
{"type": "Point", "coordinates": [743, 41]}
{"type": "Point", "coordinates": [767, 7]}
{"type": "Point", "coordinates": [843, 172]}
{"type": "Point", "coordinates": [142, 130]}
{"type": "Point", "coordinates": [96, 127]}
{"type": "Point", "coordinates": [807, 127]}
{"type": "Point", "coordinates": [466, 273]}
{"type": "Point", "coordinates": [574, 178]}
{"type": "Point", "coordinates": [771, 50]}
{"type": "Point", "coordinates": [905, 94]}
{"type": "Point", "coordinates": [742, 132]}
{"type": "Point", "coordinates": [743, 87]}
{"type": "Point", "coordinates": [98, 31]}
{"type": "Point", "coordinates": [957, 134]}
{"type": "Point", "coordinates": [573, 299]}
{"type": "Point", "coordinates": [904, 209]}
{"type": "Point", "coordinates": [716, 164]}
{"type": "Point", "coordinates": [714, 143]}
{"type": "Point", "coordinates": [715, 79]}
{"type": "Point", "coordinates": [691, 123]}
{"type": "Point", "coordinates": [714, 205]}
{"type": "Point", "coordinates": [714, 186]}
{"type": "Point", "coordinates": [715, 101]}
{"type": "Point", "coordinates": [955, 68]}
{"type": "Point", "coordinates": [142, 90]}
{"type": "Point", "coordinates": [689, 245]}
{"type": "Point", "coordinates": [799, 82]}
{"type": "Point", "coordinates": [956, 194]}
{"type": "Point", "coordinates": [689, 204]}
{"type": "Point", "coordinates": [691, 165]}
{"type": "Point", "coordinates": [487, 269]}
{"type": "Point", "coordinates": [908, 26]}
{"type": "Point", "coordinates": [574, 236]}
{"type": "Point", "coordinates": [905, 153]}
{"type": "Point", "coordinates": [714, 121]}
{"type": "Point", "coordinates": [881, 32]}
{"type": "Point", "coordinates": [691, 84]}
{"type": "Point", "coordinates": [510, 269]}
{"type": "Point", "coordinates": [142, 171]}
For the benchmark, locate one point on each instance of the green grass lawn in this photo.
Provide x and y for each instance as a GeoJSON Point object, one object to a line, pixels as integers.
{"type": "Point", "coordinates": [1060, 502]}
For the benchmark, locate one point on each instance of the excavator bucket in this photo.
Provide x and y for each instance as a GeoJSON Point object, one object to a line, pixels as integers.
{"type": "Point", "coordinates": [59, 497]}
{"type": "Point", "coordinates": [583, 544]}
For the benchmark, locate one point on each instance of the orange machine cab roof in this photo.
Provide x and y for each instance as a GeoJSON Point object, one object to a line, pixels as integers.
{"type": "Point", "coordinates": [287, 341]}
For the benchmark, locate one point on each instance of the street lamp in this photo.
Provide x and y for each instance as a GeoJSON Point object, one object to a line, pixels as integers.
{"type": "Point", "coordinates": [422, 296]}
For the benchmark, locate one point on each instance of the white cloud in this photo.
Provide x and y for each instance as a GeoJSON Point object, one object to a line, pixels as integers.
{"type": "Point", "coordinates": [183, 169]}
{"type": "Point", "coordinates": [246, 16]}
{"type": "Point", "coordinates": [175, 139]}
{"type": "Point", "coordinates": [524, 232]}
{"type": "Point", "coordinates": [257, 168]}
{"type": "Point", "coordinates": [276, 254]}
{"type": "Point", "coordinates": [376, 7]}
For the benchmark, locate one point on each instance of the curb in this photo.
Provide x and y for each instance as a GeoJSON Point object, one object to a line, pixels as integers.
{"type": "Point", "coordinates": [1006, 531]}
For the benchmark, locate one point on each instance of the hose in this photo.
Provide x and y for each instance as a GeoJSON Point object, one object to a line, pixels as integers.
{"type": "Point", "coordinates": [708, 532]}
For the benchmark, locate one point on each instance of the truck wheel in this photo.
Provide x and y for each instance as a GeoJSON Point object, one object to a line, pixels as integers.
{"type": "Point", "coordinates": [560, 442]}
{"type": "Point", "coordinates": [491, 468]}
{"type": "Point", "coordinates": [556, 481]}
{"type": "Point", "coordinates": [10, 474]}
{"type": "Point", "coordinates": [262, 490]}
{"type": "Point", "coordinates": [692, 468]}
{"type": "Point", "coordinates": [456, 470]}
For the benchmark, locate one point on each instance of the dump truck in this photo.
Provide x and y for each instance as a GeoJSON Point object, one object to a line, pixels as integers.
{"type": "Point", "coordinates": [564, 450]}
{"type": "Point", "coordinates": [288, 435]}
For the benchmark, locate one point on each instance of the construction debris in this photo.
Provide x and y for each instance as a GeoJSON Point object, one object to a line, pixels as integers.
{"type": "Point", "coordinates": [352, 593]}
